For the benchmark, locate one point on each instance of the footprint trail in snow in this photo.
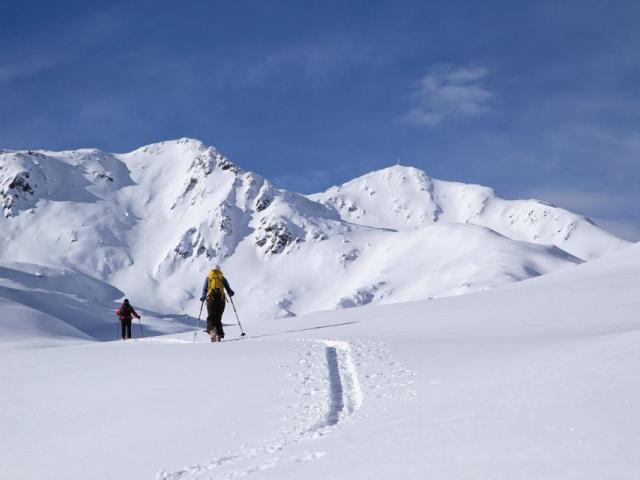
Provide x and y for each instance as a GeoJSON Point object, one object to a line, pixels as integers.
{"type": "Point", "coordinates": [331, 393]}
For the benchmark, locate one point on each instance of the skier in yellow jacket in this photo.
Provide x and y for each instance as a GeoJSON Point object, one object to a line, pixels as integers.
{"type": "Point", "coordinates": [214, 293]}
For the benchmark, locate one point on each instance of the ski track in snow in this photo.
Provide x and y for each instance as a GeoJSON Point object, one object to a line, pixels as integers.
{"type": "Point", "coordinates": [331, 395]}
{"type": "Point", "coordinates": [344, 387]}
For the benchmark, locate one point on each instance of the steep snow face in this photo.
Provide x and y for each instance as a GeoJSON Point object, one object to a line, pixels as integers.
{"type": "Point", "coordinates": [194, 208]}
{"type": "Point", "coordinates": [403, 198]}
{"type": "Point", "coordinates": [59, 210]}
{"type": "Point", "coordinates": [152, 222]}
{"type": "Point", "coordinates": [82, 176]}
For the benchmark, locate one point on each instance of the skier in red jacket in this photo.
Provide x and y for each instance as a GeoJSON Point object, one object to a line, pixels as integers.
{"type": "Point", "coordinates": [125, 312]}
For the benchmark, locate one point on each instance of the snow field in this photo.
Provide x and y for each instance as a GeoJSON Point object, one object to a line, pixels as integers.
{"type": "Point", "coordinates": [329, 393]}
{"type": "Point", "coordinates": [532, 380]}
{"type": "Point", "coordinates": [122, 410]}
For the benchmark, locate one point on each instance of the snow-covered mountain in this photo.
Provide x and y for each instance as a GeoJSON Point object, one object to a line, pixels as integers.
{"type": "Point", "coordinates": [151, 223]}
{"type": "Point", "coordinates": [404, 198]}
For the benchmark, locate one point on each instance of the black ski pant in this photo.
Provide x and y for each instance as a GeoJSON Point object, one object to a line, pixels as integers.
{"type": "Point", "coordinates": [215, 309]}
{"type": "Point", "coordinates": [126, 327]}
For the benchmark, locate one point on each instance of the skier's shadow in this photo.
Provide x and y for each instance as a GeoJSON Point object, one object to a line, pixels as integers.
{"type": "Point", "coordinates": [320, 327]}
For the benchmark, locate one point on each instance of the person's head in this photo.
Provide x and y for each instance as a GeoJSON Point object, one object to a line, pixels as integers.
{"type": "Point", "coordinates": [217, 267]}
{"type": "Point", "coordinates": [126, 300]}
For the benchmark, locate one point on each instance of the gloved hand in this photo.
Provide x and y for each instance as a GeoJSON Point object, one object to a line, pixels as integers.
{"type": "Point", "coordinates": [202, 298]}
{"type": "Point", "coordinates": [232, 293]}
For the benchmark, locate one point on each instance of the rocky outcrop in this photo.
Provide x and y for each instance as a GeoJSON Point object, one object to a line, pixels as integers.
{"type": "Point", "coordinates": [274, 236]}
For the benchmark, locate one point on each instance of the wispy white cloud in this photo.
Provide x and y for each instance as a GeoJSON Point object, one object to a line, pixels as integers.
{"type": "Point", "coordinates": [10, 71]}
{"type": "Point", "coordinates": [449, 92]}
{"type": "Point", "coordinates": [312, 59]}
{"type": "Point", "coordinates": [39, 55]}
{"type": "Point", "coordinates": [315, 59]}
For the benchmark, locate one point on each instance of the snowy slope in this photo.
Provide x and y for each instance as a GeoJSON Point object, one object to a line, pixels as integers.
{"type": "Point", "coordinates": [536, 379]}
{"type": "Point", "coordinates": [403, 198]}
{"type": "Point", "coordinates": [44, 306]}
{"type": "Point", "coordinates": [152, 222]}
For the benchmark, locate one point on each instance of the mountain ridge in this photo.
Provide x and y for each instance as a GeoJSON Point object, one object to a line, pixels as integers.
{"type": "Point", "coordinates": [152, 221]}
{"type": "Point", "coordinates": [373, 199]}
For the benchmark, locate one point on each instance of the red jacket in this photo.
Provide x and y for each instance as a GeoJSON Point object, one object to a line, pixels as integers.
{"type": "Point", "coordinates": [126, 311]}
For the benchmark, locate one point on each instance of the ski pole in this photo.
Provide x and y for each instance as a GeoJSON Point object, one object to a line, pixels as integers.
{"type": "Point", "coordinates": [238, 318]}
{"type": "Point", "coordinates": [140, 323]}
{"type": "Point", "coordinates": [198, 322]}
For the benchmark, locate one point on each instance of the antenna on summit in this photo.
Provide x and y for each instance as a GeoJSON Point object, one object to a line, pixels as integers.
{"type": "Point", "coordinates": [398, 161]}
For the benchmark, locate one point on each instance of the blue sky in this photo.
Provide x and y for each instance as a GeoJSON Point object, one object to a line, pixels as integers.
{"type": "Point", "coordinates": [535, 99]}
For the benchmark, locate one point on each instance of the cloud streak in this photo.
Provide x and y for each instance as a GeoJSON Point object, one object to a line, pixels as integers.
{"type": "Point", "coordinates": [448, 93]}
{"type": "Point", "coordinates": [63, 46]}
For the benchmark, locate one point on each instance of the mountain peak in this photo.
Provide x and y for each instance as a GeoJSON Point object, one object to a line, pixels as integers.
{"type": "Point", "coordinates": [393, 175]}
{"type": "Point", "coordinates": [189, 142]}
{"type": "Point", "coordinates": [184, 143]}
